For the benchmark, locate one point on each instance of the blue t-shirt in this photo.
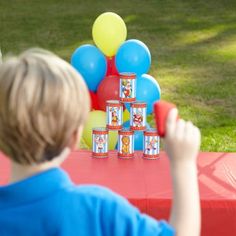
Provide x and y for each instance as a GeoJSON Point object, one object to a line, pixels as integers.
{"type": "Point", "coordinates": [50, 204]}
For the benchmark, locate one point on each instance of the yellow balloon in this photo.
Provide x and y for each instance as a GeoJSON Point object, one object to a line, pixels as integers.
{"type": "Point", "coordinates": [97, 119]}
{"type": "Point", "coordinates": [126, 115]}
{"type": "Point", "coordinates": [109, 32]}
{"type": "Point", "coordinates": [82, 145]}
{"type": "Point", "coordinates": [113, 139]}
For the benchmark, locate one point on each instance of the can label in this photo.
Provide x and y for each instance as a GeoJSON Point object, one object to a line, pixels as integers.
{"type": "Point", "coordinates": [126, 144]}
{"type": "Point", "coordinates": [151, 144]}
{"type": "Point", "coordinates": [138, 116]}
{"type": "Point", "coordinates": [127, 87]}
{"type": "Point", "coordinates": [114, 111]}
{"type": "Point", "coordinates": [100, 142]}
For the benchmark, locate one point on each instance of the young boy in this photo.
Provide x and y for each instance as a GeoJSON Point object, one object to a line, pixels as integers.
{"type": "Point", "coordinates": [43, 106]}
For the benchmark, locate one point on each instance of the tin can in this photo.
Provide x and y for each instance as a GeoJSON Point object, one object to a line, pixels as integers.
{"type": "Point", "coordinates": [114, 110]}
{"type": "Point", "coordinates": [100, 143]}
{"type": "Point", "coordinates": [126, 143]}
{"type": "Point", "coordinates": [138, 116]}
{"type": "Point", "coordinates": [151, 144]}
{"type": "Point", "coordinates": [127, 87]}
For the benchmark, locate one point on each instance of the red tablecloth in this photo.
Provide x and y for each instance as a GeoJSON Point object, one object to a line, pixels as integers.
{"type": "Point", "coordinates": [147, 184]}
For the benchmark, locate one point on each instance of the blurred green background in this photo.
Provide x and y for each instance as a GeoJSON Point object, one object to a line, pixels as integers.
{"type": "Point", "coordinates": [193, 47]}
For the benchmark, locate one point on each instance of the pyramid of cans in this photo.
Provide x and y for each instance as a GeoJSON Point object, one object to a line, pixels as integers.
{"type": "Point", "coordinates": [114, 111]}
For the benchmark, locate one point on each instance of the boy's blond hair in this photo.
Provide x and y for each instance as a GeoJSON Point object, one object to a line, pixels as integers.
{"type": "Point", "coordinates": [43, 102]}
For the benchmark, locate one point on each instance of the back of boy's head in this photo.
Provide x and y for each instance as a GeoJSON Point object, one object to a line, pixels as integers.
{"type": "Point", "coordinates": [43, 102]}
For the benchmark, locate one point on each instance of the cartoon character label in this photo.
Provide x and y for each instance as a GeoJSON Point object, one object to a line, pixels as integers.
{"type": "Point", "coordinates": [100, 142]}
{"type": "Point", "coordinates": [138, 116]}
{"type": "Point", "coordinates": [127, 87]}
{"type": "Point", "coordinates": [151, 144]}
{"type": "Point", "coordinates": [114, 111]}
{"type": "Point", "coordinates": [126, 144]}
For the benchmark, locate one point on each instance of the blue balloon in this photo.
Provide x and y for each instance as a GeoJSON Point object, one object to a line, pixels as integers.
{"type": "Point", "coordinates": [89, 61]}
{"type": "Point", "coordinates": [138, 136]}
{"type": "Point", "coordinates": [147, 90]}
{"type": "Point", "coordinates": [133, 56]}
{"type": "Point", "coordinates": [127, 106]}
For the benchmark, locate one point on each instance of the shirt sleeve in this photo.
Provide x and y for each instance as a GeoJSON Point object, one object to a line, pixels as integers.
{"type": "Point", "coordinates": [120, 218]}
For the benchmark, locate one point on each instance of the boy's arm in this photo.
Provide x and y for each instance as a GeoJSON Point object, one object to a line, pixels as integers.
{"type": "Point", "coordinates": [182, 144]}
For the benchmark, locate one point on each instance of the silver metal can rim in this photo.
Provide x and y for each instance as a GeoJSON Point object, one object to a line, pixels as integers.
{"type": "Point", "coordinates": [151, 130]}
{"type": "Point", "coordinates": [100, 129]}
{"type": "Point", "coordinates": [128, 74]}
{"type": "Point", "coordinates": [126, 130]}
{"type": "Point", "coordinates": [113, 101]}
{"type": "Point", "coordinates": [151, 158]}
{"type": "Point", "coordinates": [139, 102]}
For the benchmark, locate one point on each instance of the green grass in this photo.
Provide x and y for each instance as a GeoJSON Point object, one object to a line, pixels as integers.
{"type": "Point", "coordinates": [193, 46]}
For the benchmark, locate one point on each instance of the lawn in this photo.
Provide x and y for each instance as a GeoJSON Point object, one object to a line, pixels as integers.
{"type": "Point", "coordinates": [193, 46]}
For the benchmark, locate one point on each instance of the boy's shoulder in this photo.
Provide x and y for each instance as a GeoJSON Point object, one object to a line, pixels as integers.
{"type": "Point", "coordinates": [93, 190]}
{"type": "Point", "coordinates": [94, 193]}
{"type": "Point", "coordinates": [94, 202]}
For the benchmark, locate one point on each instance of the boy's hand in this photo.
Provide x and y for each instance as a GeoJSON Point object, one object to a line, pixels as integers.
{"type": "Point", "coordinates": [182, 140]}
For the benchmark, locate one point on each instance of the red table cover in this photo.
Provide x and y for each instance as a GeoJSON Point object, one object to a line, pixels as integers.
{"type": "Point", "coordinates": [147, 184]}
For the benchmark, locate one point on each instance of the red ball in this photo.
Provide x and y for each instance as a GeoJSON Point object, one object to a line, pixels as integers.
{"type": "Point", "coordinates": [108, 89]}
{"type": "Point", "coordinates": [94, 101]}
{"type": "Point", "coordinates": [161, 109]}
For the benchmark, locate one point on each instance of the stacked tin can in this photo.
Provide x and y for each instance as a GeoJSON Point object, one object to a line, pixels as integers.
{"type": "Point", "coordinates": [151, 144]}
{"type": "Point", "coordinates": [100, 142]}
{"type": "Point", "coordinates": [138, 116]}
{"type": "Point", "coordinates": [114, 110]}
{"type": "Point", "coordinates": [127, 87]}
{"type": "Point", "coordinates": [126, 144]}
